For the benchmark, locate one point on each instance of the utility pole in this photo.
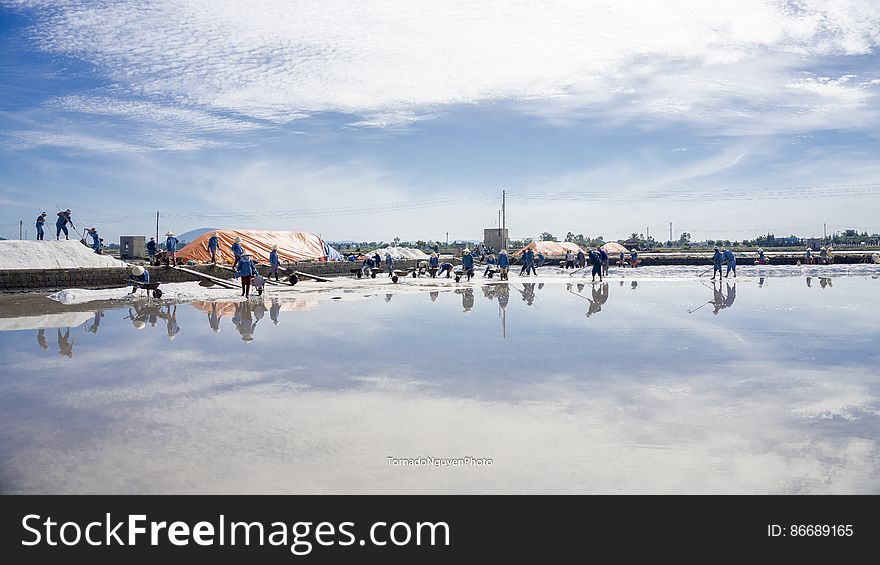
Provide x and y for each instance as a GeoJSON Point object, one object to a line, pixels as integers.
{"type": "Point", "coordinates": [647, 233]}
{"type": "Point", "coordinates": [20, 229]}
{"type": "Point", "coordinates": [670, 231]}
{"type": "Point", "coordinates": [825, 232]}
{"type": "Point", "coordinates": [503, 219]}
{"type": "Point", "coordinates": [157, 227]}
{"type": "Point", "coordinates": [447, 238]}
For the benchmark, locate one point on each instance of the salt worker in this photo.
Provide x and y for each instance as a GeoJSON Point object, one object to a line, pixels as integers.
{"type": "Point", "coordinates": [503, 264]}
{"type": "Point", "coordinates": [41, 221]}
{"type": "Point", "coordinates": [445, 268]}
{"type": "Point", "coordinates": [717, 259]}
{"type": "Point", "coordinates": [634, 257]}
{"type": "Point", "coordinates": [139, 275]}
{"type": "Point", "coordinates": [274, 263]}
{"type": "Point", "coordinates": [61, 224]}
{"type": "Point", "coordinates": [389, 263]}
{"type": "Point", "coordinates": [171, 244]}
{"type": "Point", "coordinates": [605, 260]}
{"type": "Point", "coordinates": [96, 240]}
{"type": "Point", "coordinates": [467, 263]}
{"type": "Point", "coordinates": [490, 263]}
{"type": "Point", "coordinates": [596, 262]}
{"type": "Point", "coordinates": [237, 252]}
{"type": "Point", "coordinates": [730, 259]}
{"type": "Point", "coordinates": [246, 269]}
{"type": "Point", "coordinates": [581, 259]}
{"type": "Point", "coordinates": [213, 245]}
{"type": "Point", "coordinates": [151, 250]}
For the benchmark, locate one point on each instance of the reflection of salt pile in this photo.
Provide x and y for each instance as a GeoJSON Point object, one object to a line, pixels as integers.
{"type": "Point", "coordinates": [224, 308]}
{"type": "Point", "coordinates": [171, 291]}
{"type": "Point", "coordinates": [63, 320]}
{"type": "Point", "coordinates": [17, 255]}
{"type": "Point", "coordinates": [402, 253]}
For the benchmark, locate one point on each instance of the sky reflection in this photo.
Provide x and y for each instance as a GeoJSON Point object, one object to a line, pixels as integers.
{"type": "Point", "coordinates": [628, 386]}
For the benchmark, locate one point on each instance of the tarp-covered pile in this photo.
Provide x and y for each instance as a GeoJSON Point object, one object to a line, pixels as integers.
{"type": "Point", "coordinates": [554, 249]}
{"type": "Point", "coordinates": [614, 248]}
{"type": "Point", "coordinates": [292, 246]}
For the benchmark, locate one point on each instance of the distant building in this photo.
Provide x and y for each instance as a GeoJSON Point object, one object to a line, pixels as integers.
{"type": "Point", "coordinates": [495, 238]}
{"type": "Point", "coordinates": [632, 243]}
{"type": "Point", "coordinates": [132, 247]}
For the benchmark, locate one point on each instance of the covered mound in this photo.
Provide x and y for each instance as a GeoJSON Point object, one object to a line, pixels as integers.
{"type": "Point", "coordinates": [401, 253]}
{"type": "Point", "coordinates": [554, 249]}
{"type": "Point", "coordinates": [64, 254]}
{"type": "Point", "coordinates": [614, 248]}
{"type": "Point", "coordinates": [292, 246]}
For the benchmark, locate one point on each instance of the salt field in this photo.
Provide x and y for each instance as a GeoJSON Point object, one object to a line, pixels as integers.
{"type": "Point", "coordinates": [657, 381]}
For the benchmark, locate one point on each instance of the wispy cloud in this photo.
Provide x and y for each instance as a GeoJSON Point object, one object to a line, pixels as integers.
{"type": "Point", "coordinates": [738, 67]}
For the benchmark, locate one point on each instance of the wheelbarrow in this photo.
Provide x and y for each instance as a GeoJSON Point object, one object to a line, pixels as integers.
{"type": "Point", "coordinates": [152, 288]}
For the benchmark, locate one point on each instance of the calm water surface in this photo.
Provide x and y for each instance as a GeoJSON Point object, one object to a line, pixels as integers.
{"type": "Point", "coordinates": [764, 386]}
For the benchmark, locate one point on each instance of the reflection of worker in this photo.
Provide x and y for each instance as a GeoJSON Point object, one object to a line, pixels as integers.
{"type": "Point", "coordinates": [717, 298]}
{"type": "Point", "coordinates": [214, 317]}
{"type": "Point", "coordinates": [434, 295]}
{"type": "Point", "coordinates": [731, 295]}
{"type": "Point", "coordinates": [96, 322]}
{"type": "Point", "coordinates": [634, 285]}
{"type": "Point", "coordinates": [503, 293]}
{"type": "Point", "coordinates": [388, 296]}
{"type": "Point", "coordinates": [809, 282]}
{"type": "Point", "coordinates": [600, 296]}
{"type": "Point", "coordinates": [41, 339]}
{"type": "Point", "coordinates": [244, 321]}
{"type": "Point", "coordinates": [65, 345]}
{"type": "Point", "coordinates": [467, 298]}
{"type": "Point", "coordinates": [275, 311]}
{"type": "Point", "coordinates": [824, 281]}
{"type": "Point", "coordinates": [761, 282]}
{"type": "Point", "coordinates": [528, 293]}
{"type": "Point", "coordinates": [171, 322]}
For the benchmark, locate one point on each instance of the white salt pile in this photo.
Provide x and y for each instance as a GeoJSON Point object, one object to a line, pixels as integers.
{"type": "Point", "coordinates": [401, 253]}
{"type": "Point", "coordinates": [65, 254]}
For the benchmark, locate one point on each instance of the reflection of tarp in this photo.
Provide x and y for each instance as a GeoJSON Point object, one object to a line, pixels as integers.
{"type": "Point", "coordinates": [64, 320]}
{"type": "Point", "coordinates": [292, 246]}
{"type": "Point", "coordinates": [614, 248]}
{"type": "Point", "coordinates": [228, 308]}
{"type": "Point", "coordinates": [401, 253]}
{"type": "Point", "coordinates": [550, 248]}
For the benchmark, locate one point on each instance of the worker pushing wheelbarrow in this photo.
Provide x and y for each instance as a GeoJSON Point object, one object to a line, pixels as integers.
{"type": "Point", "coordinates": [140, 280]}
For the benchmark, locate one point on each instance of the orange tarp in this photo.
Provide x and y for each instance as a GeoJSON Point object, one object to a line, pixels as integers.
{"type": "Point", "coordinates": [292, 246]}
{"type": "Point", "coordinates": [550, 248]}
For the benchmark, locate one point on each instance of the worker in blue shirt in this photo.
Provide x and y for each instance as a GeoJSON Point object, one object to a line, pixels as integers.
{"type": "Point", "coordinates": [274, 263]}
{"type": "Point", "coordinates": [467, 263]}
{"type": "Point", "coordinates": [151, 251]}
{"type": "Point", "coordinates": [213, 245]}
{"type": "Point", "coordinates": [171, 244]}
{"type": "Point", "coordinates": [389, 264]}
{"type": "Point", "coordinates": [139, 275]}
{"type": "Point", "coordinates": [730, 259]}
{"type": "Point", "coordinates": [237, 252]}
{"type": "Point", "coordinates": [61, 224]}
{"type": "Point", "coordinates": [246, 269]}
{"type": "Point", "coordinates": [446, 268]}
{"type": "Point", "coordinates": [596, 262]}
{"type": "Point", "coordinates": [717, 259]}
{"type": "Point", "coordinates": [96, 240]}
{"type": "Point", "coordinates": [503, 264]}
{"type": "Point", "coordinates": [41, 221]}
{"type": "Point", "coordinates": [490, 264]}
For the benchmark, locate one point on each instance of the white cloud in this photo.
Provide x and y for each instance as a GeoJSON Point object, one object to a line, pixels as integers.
{"type": "Point", "coordinates": [734, 65]}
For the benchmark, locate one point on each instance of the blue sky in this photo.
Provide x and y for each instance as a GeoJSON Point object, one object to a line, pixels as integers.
{"type": "Point", "coordinates": [600, 118]}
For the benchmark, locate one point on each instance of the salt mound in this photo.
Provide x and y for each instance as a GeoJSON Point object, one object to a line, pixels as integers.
{"type": "Point", "coordinates": [65, 254]}
{"type": "Point", "coordinates": [401, 253]}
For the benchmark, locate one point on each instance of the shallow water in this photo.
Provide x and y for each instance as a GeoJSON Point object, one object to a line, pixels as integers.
{"type": "Point", "coordinates": [658, 386]}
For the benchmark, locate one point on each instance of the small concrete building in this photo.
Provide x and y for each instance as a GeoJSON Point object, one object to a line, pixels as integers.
{"type": "Point", "coordinates": [495, 238]}
{"type": "Point", "coordinates": [132, 247]}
